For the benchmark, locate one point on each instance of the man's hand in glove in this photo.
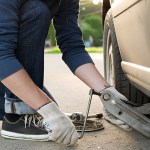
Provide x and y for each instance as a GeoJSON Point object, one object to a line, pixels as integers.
{"type": "Point", "coordinates": [58, 125]}
{"type": "Point", "coordinates": [109, 117]}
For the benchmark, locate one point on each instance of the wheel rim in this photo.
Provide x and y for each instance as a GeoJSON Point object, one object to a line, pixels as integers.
{"type": "Point", "coordinates": [109, 61]}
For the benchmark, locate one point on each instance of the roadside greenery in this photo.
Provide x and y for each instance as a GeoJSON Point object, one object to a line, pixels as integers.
{"type": "Point", "coordinates": [92, 27]}
{"type": "Point", "coordinates": [55, 50]}
{"type": "Point", "coordinates": [90, 23]}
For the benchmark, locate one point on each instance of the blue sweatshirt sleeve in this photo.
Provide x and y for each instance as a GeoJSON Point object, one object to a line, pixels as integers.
{"type": "Point", "coordinates": [8, 39]}
{"type": "Point", "coordinates": [69, 35]}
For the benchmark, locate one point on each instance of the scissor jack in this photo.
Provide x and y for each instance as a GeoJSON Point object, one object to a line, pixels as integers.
{"type": "Point", "coordinates": [126, 111]}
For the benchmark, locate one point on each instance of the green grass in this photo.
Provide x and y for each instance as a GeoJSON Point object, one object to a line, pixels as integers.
{"type": "Point", "coordinates": [55, 50]}
{"type": "Point", "coordinates": [94, 49]}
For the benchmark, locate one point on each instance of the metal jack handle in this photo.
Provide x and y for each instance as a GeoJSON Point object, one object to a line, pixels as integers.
{"type": "Point", "coordinates": [87, 111]}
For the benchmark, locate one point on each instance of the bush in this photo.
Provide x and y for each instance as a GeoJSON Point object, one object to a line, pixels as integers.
{"type": "Point", "coordinates": [92, 26]}
{"type": "Point", "coordinates": [51, 35]}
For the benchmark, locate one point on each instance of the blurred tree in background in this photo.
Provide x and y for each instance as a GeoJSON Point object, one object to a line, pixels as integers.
{"type": "Point", "coordinates": [51, 35]}
{"type": "Point", "coordinates": [89, 21]}
{"type": "Point", "coordinates": [92, 28]}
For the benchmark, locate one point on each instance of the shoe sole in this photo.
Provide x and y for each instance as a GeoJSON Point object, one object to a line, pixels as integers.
{"type": "Point", "coordinates": [17, 136]}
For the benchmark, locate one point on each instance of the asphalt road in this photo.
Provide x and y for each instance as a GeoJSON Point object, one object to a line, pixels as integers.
{"type": "Point", "coordinates": [72, 96]}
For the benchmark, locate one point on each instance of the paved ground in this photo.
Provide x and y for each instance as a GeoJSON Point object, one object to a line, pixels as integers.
{"type": "Point", "coordinates": [72, 95]}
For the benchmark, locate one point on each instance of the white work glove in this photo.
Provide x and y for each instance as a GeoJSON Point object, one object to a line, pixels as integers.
{"type": "Point", "coordinates": [58, 125]}
{"type": "Point", "coordinates": [109, 117]}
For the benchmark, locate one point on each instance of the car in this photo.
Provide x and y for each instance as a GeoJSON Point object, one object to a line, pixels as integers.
{"type": "Point", "coordinates": [126, 42]}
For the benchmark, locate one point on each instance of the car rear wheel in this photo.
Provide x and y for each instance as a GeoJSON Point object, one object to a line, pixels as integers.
{"type": "Point", "coordinates": [112, 65]}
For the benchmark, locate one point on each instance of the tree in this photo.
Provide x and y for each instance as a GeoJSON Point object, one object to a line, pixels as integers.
{"type": "Point", "coordinates": [51, 35]}
{"type": "Point", "coordinates": [92, 26]}
{"type": "Point", "coordinates": [89, 20]}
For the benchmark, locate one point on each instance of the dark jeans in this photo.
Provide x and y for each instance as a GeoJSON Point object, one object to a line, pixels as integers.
{"type": "Point", "coordinates": [32, 27]}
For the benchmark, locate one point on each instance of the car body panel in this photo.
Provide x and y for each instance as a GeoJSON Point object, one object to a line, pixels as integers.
{"type": "Point", "coordinates": [139, 75]}
{"type": "Point", "coordinates": [119, 6]}
{"type": "Point", "coordinates": [132, 26]}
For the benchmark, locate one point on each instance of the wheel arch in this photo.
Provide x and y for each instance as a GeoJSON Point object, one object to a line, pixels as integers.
{"type": "Point", "coordinates": [105, 7]}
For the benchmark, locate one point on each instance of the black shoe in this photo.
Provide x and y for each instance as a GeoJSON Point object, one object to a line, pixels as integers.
{"type": "Point", "coordinates": [27, 127]}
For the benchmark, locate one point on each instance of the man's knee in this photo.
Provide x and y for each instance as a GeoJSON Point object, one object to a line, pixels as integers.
{"type": "Point", "coordinates": [35, 11]}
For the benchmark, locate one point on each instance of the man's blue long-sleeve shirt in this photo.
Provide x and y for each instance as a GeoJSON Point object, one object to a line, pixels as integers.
{"type": "Point", "coordinates": [68, 34]}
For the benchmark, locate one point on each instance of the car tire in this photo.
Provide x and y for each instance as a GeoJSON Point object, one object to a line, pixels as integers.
{"type": "Point", "coordinates": [112, 65]}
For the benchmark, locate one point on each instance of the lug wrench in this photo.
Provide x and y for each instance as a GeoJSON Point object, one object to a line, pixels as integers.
{"type": "Point", "coordinates": [87, 111]}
